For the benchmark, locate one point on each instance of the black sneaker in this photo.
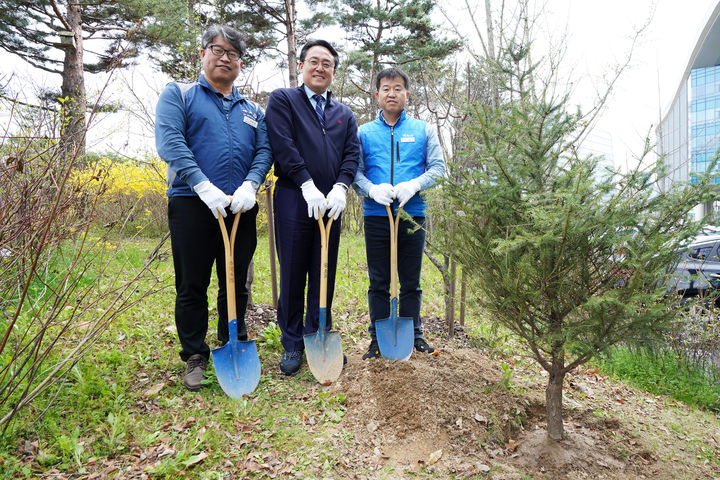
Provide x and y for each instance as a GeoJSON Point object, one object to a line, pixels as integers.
{"type": "Point", "coordinates": [373, 351]}
{"type": "Point", "coordinates": [422, 346]}
{"type": "Point", "coordinates": [195, 372]}
{"type": "Point", "coordinates": [290, 362]}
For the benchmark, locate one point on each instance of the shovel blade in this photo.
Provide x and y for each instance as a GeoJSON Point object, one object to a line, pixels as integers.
{"type": "Point", "coordinates": [395, 335]}
{"type": "Point", "coordinates": [237, 367]}
{"type": "Point", "coordinates": [323, 350]}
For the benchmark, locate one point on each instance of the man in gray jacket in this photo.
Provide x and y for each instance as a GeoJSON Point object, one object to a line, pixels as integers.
{"type": "Point", "coordinates": [215, 144]}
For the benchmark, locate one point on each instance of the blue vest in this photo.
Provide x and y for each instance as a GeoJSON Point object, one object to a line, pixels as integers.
{"type": "Point", "coordinates": [393, 155]}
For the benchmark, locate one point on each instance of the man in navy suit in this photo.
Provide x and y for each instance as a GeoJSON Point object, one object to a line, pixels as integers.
{"type": "Point", "coordinates": [315, 149]}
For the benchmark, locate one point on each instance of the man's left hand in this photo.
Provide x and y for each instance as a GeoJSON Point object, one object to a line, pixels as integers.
{"type": "Point", "coordinates": [404, 191]}
{"type": "Point", "coordinates": [244, 197]}
{"type": "Point", "coordinates": [336, 200]}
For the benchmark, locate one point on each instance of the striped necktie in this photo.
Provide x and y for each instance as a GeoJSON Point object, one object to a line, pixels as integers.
{"type": "Point", "coordinates": [318, 108]}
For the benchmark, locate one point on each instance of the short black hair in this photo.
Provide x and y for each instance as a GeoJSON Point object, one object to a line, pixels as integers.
{"type": "Point", "coordinates": [392, 72]}
{"type": "Point", "coordinates": [233, 37]}
{"type": "Point", "coordinates": [320, 43]}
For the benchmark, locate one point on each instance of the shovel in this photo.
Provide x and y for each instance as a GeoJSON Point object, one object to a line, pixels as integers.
{"type": "Point", "coordinates": [237, 365]}
{"type": "Point", "coordinates": [323, 349]}
{"type": "Point", "coordinates": [395, 334]}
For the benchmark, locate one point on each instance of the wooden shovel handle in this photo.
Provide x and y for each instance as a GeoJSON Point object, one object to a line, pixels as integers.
{"type": "Point", "coordinates": [324, 240]}
{"type": "Point", "coordinates": [394, 223]}
{"type": "Point", "coordinates": [229, 244]}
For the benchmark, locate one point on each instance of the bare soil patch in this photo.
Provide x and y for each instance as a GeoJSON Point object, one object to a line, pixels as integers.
{"type": "Point", "coordinates": [454, 414]}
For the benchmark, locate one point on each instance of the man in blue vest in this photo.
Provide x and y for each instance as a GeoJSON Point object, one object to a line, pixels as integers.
{"type": "Point", "coordinates": [315, 147]}
{"type": "Point", "coordinates": [215, 144]}
{"type": "Point", "coordinates": [399, 157]}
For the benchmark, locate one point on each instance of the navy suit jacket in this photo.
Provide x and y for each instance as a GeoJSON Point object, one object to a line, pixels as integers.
{"type": "Point", "coordinates": [302, 149]}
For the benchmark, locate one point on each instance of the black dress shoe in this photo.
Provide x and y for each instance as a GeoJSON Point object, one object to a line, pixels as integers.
{"type": "Point", "coordinates": [290, 362]}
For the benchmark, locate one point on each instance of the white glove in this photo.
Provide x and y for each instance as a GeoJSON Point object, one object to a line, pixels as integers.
{"type": "Point", "coordinates": [244, 197]}
{"type": "Point", "coordinates": [213, 197]}
{"type": "Point", "coordinates": [404, 191]}
{"type": "Point", "coordinates": [315, 199]}
{"type": "Point", "coordinates": [336, 200]}
{"type": "Point", "coordinates": [382, 194]}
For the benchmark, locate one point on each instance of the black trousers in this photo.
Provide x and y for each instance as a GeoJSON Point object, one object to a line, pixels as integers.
{"type": "Point", "coordinates": [196, 244]}
{"type": "Point", "coordinates": [411, 242]}
{"type": "Point", "coordinates": [298, 245]}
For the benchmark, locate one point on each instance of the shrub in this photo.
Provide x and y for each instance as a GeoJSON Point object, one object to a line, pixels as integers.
{"type": "Point", "coordinates": [132, 192]}
{"type": "Point", "coordinates": [59, 282]}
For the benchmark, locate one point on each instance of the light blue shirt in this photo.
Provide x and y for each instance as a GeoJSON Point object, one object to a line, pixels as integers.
{"type": "Point", "coordinates": [310, 94]}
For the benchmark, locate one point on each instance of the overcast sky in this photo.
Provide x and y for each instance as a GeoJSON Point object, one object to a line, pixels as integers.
{"type": "Point", "coordinates": [599, 36]}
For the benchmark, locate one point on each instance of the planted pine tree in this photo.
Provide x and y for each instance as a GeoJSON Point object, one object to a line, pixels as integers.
{"type": "Point", "coordinates": [571, 257]}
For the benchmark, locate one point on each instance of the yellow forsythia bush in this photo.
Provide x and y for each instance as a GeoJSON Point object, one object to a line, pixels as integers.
{"type": "Point", "coordinates": [129, 193]}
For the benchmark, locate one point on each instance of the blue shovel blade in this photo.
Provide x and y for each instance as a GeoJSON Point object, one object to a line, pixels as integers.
{"type": "Point", "coordinates": [237, 367]}
{"type": "Point", "coordinates": [395, 335]}
{"type": "Point", "coordinates": [323, 350]}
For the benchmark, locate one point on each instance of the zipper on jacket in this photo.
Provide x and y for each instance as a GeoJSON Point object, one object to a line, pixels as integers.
{"type": "Point", "coordinates": [392, 156]}
{"type": "Point", "coordinates": [230, 144]}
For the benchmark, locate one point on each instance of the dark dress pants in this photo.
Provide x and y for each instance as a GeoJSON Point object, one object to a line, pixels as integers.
{"type": "Point", "coordinates": [298, 246]}
{"type": "Point", "coordinates": [411, 241]}
{"type": "Point", "coordinates": [196, 244]}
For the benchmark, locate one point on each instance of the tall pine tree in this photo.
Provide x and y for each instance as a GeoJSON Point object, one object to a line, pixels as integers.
{"type": "Point", "coordinates": [51, 35]}
{"type": "Point", "coordinates": [391, 32]}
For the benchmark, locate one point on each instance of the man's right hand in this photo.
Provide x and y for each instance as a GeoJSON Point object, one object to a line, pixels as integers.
{"type": "Point", "coordinates": [314, 198]}
{"type": "Point", "coordinates": [382, 194]}
{"type": "Point", "coordinates": [213, 197]}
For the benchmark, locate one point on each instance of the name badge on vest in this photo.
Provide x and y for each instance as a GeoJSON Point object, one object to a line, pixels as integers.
{"type": "Point", "coordinates": [250, 121]}
{"type": "Point", "coordinates": [407, 139]}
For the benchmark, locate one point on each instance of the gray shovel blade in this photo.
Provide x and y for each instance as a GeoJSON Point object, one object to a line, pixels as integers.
{"type": "Point", "coordinates": [395, 335]}
{"type": "Point", "coordinates": [323, 350]}
{"type": "Point", "coordinates": [237, 366]}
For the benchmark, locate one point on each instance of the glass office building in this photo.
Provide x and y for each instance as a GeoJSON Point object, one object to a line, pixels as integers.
{"type": "Point", "coordinates": [704, 118]}
{"type": "Point", "coordinates": [689, 134]}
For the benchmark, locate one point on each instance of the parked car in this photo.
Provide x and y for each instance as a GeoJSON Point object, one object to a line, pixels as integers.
{"type": "Point", "coordinates": [698, 269]}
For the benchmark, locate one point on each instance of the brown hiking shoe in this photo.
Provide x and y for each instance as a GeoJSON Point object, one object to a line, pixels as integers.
{"type": "Point", "coordinates": [195, 372]}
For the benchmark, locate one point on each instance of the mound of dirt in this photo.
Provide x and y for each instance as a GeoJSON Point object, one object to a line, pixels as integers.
{"type": "Point", "coordinates": [454, 414]}
{"type": "Point", "coordinates": [429, 410]}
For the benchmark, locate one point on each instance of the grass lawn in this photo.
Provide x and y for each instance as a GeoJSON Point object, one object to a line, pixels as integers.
{"type": "Point", "coordinates": [125, 398]}
{"type": "Point", "coordinates": [122, 411]}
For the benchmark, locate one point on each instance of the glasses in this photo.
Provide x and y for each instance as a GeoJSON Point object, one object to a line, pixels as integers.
{"type": "Point", "coordinates": [387, 89]}
{"type": "Point", "coordinates": [219, 51]}
{"type": "Point", "coordinates": [313, 62]}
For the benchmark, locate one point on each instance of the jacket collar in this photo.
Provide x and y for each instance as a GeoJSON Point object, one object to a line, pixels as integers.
{"type": "Point", "coordinates": [399, 121]}
{"type": "Point", "coordinates": [203, 81]}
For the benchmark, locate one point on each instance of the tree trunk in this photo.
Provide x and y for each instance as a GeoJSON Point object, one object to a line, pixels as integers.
{"type": "Point", "coordinates": [463, 284]}
{"type": "Point", "coordinates": [249, 281]}
{"type": "Point", "coordinates": [553, 399]}
{"type": "Point", "coordinates": [74, 104]}
{"type": "Point", "coordinates": [453, 265]}
{"type": "Point", "coordinates": [291, 42]}
{"type": "Point", "coordinates": [449, 306]}
{"type": "Point", "coordinates": [494, 93]}
{"type": "Point", "coordinates": [375, 68]}
{"type": "Point", "coordinates": [271, 240]}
